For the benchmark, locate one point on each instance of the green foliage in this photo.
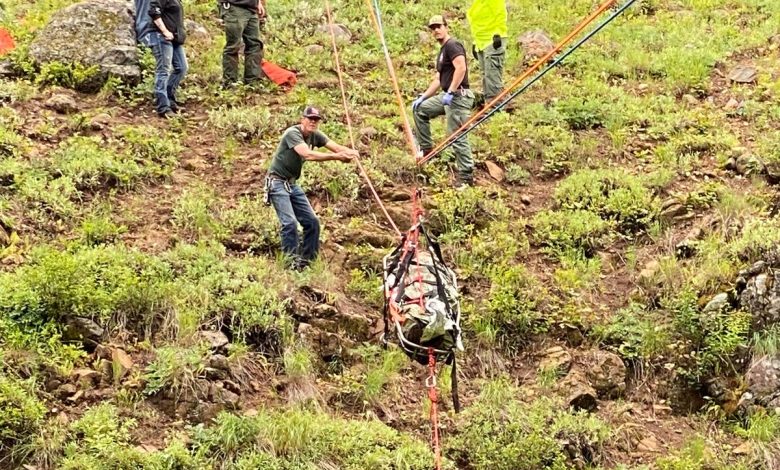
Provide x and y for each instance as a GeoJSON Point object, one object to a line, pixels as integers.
{"type": "Point", "coordinates": [695, 455]}
{"type": "Point", "coordinates": [382, 367]}
{"type": "Point", "coordinates": [498, 244]}
{"type": "Point", "coordinates": [459, 213]}
{"type": "Point", "coordinates": [634, 334]}
{"type": "Point", "coordinates": [175, 369]}
{"type": "Point", "coordinates": [367, 286]}
{"type": "Point", "coordinates": [252, 216]}
{"type": "Point", "coordinates": [613, 195]}
{"type": "Point", "coordinates": [195, 213]}
{"type": "Point", "coordinates": [90, 166]}
{"type": "Point", "coordinates": [246, 123]}
{"type": "Point", "coordinates": [499, 432]}
{"type": "Point", "coordinates": [99, 230]}
{"type": "Point", "coordinates": [572, 230]}
{"type": "Point", "coordinates": [76, 76]}
{"type": "Point", "coordinates": [21, 413]}
{"type": "Point", "coordinates": [581, 113]}
{"type": "Point", "coordinates": [761, 427]}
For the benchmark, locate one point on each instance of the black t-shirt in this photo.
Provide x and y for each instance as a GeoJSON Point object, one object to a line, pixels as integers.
{"type": "Point", "coordinates": [172, 14]}
{"type": "Point", "coordinates": [449, 51]}
{"type": "Point", "coordinates": [287, 163]}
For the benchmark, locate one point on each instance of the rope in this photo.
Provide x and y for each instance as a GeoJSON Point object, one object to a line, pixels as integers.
{"type": "Point", "coordinates": [430, 383]}
{"type": "Point", "coordinates": [376, 20]}
{"type": "Point", "coordinates": [449, 140]}
{"type": "Point", "coordinates": [363, 171]}
{"type": "Point", "coordinates": [541, 74]}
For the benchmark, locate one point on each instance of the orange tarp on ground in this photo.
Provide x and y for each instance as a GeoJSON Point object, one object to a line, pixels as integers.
{"type": "Point", "coordinates": [278, 75]}
{"type": "Point", "coordinates": [6, 42]}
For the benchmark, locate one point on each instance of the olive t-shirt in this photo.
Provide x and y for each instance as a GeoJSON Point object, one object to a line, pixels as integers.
{"type": "Point", "coordinates": [449, 51]}
{"type": "Point", "coordinates": [287, 163]}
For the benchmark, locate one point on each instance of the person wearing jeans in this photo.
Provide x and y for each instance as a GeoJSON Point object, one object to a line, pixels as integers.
{"type": "Point", "coordinates": [290, 202]}
{"type": "Point", "coordinates": [455, 101]}
{"type": "Point", "coordinates": [487, 19]}
{"type": "Point", "coordinates": [167, 44]}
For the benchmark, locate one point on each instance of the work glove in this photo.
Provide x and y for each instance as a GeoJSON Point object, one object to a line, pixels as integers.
{"type": "Point", "coordinates": [446, 100]}
{"type": "Point", "coordinates": [417, 102]}
{"type": "Point", "coordinates": [496, 41]}
{"type": "Point", "coordinates": [474, 51]}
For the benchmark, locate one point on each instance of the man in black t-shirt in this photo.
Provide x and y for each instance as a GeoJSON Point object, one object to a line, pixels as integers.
{"type": "Point", "coordinates": [290, 202]}
{"type": "Point", "coordinates": [455, 101]}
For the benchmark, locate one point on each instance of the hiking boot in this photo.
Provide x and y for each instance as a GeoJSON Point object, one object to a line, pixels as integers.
{"type": "Point", "coordinates": [167, 115]}
{"type": "Point", "coordinates": [177, 108]}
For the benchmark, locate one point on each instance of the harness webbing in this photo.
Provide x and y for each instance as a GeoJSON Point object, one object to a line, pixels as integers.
{"type": "Point", "coordinates": [499, 101]}
{"type": "Point", "coordinates": [363, 171]}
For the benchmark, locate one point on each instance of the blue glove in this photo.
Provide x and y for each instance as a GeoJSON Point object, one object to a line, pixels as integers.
{"type": "Point", "coordinates": [446, 100]}
{"type": "Point", "coordinates": [417, 102]}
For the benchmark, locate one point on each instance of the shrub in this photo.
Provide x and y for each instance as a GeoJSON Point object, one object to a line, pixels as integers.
{"type": "Point", "coordinates": [245, 123]}
{"type": "Point", "coordinates": [572, 230]}
{"type": "Point", "coordinates": [196, 211]}
{"type": "Point", "coordinates": [90, 165]}
{"type": "Point", "coordinates": [611, 194]}
{"type": "Point", "coordinates": [175, 369]}
{"type": "Point", "coordinates": [21, 414]}
{"type": "Point", "coordinates": [501, 433]}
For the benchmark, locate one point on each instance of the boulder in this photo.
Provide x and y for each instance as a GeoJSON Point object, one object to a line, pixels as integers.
{"type": "Point", "coordinates": [763, 380]}
{"type": "Point", "coordinates": [556, 358]}
{"type": "Point", "coordinates": [607, 374]}
{"type": "Point", "coordinates": [495, 171]}
{"type": "Point", "coordinates": [196, 30]}
{"type": "Point", "coordinates": [535, 44]}
{"type": "Point", "coordinates": [92, 33]}
{"type": "Point", "coordinates": [82, 329]}
{"type": "Point", "coordinates": [580, 395]}
{"type": "Point", "coordinates": [215, 339]}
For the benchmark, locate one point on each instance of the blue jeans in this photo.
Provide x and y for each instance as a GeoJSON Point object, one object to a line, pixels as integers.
{"type": "Point", "coordinates": [170, 71]}
{"type": "Point", "coordinates": [292, 207]}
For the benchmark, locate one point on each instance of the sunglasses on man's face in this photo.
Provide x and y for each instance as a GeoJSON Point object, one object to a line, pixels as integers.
{"type": "Point", "coordinates": [434, 27]}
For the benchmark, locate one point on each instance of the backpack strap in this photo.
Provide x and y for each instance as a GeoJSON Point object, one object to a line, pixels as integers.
{"type": "Point", "coordinates": [454, 381]}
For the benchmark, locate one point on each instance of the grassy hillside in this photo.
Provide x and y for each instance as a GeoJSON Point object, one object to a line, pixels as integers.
{"type": "Point", "coordinates": [639, 180]}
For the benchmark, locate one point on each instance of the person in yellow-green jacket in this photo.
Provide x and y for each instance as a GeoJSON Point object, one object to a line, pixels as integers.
{"type": "Point", "coordinates": [487, 19]}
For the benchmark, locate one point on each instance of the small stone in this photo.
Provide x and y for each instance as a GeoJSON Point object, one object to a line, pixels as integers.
{"type": "Point", "coordinates": [215, 339]}
{"type": "Point", "coordinates": [732, 105]}
{"type": "Point", "coordinates": [690, 99]}
{"type": "Point", "coordinates": [324, 311]}
{"type": "Point", "coordinates": [495, 171]}
{"type": "Point", "coordinates": [649, 445]}
{"type": "Point", "coordinates": [607, 374]}
{"type": "Point", "coordinates": [526, 200]}
{"type": "Point", "coordinates": [100, 121]}
{"type": "Point", "coordinates": [225, 397]}
{"type": "Point", "coordinates": [744, 449]}
{"type": "Point", "coordinates": [743, 74]}
{"type": "Point", "coordinates": [718, 303]}
{"type": "Point", "coordinates": [218, 361]}
{"type": "Point", "coordinates": [122, 363]}
{"type": "Point", "coordinates": [339, 30]}
{"type": "Point", "coordinates": [86, 378]}
{"type": "Point", "coordinates": [62, 103]}
{"type": "Point", "coordinates": [65, 391]}
{"type": "Point", "coordinates": [76, 397]}
{"type": "Point", "coordinates": [556, 358]}
{"type": "Point", "coordinates": [314, 49]}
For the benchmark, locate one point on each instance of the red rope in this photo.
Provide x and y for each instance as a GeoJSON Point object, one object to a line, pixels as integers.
{"type": "Point", "coordinates": [363, 171]}
{"type": "Point", "coordinates": [434, 398]}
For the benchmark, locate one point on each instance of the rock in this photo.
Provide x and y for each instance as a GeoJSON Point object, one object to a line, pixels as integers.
{"type": "Point", "coordinates": [86, 378]}
{"type": "Point", "coordinates": [65, 391]}
{"type": "Point", "coordinates": [196, 30]}
{"type": "Point", "coordinates": [324, 311]}
{"type": "Point", "coordinates": [743, 74]}
{"type": "Point", "coordinates": [100, 122]}
{"type": "Point", "coordinates": [122, 363]}
{"type": "Point", "coordinates": [580, 395]}
{"type": "Point", "coordinates": [222, 396]}
{"type": "Point", "coordinates": [339, 30]}
{"type": "Point", "coordinates": [5, 239]}
{"type": "Point", "coordinates": [761, 298]}
{"type": "Point", "coordinates": [97, 33]}
{"type": "Point", "coordinates": [763, 379]}
{"type": "Point", "coordinates": [368, 133]}
{"type": "Point", "coordinates": [649, 445]}
{"type": "Point", "coordinates": [495, 171]}
{"type": "Point", "coordinates": [314, 294]}
{"type": "Point", "coordinates": [744, 449]}
{"type": "Point", "coordinates": [526, 200]}
{"type": "Point", "coordinates": [535, 44]}
{"type": "Point", "coordinates": [232, 386]}
{"type": "Point", "coordinates": [62, 103]}
{"type": "Point", "coordinates": [772, 174]}
{"type": "Point", "coordinates": [731, 164]}
{"type": "Point", "coordinates": [732, 104]}
{"type": "Point", "coordinates": [218, 361]}
{"type": "Point", "coordinates": [7, 69]}
{"type": "Point", "coordinates": [315, 49]}
{"type": "Point", "coordinates": [556, 358]}
{"type": "Point", "coordinates": [397, 195]}
{"type": "Point", "coordinates": [648, 273]}
{"type": "Point", "coordinates": [606, 372]}
{"type": "Point", "coordinates": [215, 374]}
{"type": "Point", "coordinates": [747, 164]}
{"type": "Point", "coordinates": [75, 397]}
{"type": "Point", "coordinates": [690, 99]}
{"type": "Point", "coordinates": [215, 339]}
{"type": "Point", "coordinates": [82, 329]}
{"type": "Point", "coordinates": [52, 385]}
{"type": "Point", "coordinates": [718, 304]}
{"type": "Point", "coordinates": [673, 210]}
{"type": "Point", "coordinates": [356, 326]}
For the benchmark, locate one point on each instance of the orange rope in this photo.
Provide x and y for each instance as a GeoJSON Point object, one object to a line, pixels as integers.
{"type": "Point", "coordinates": [363, 171]}
{"type": "Point", "coordinates": [582, 25]}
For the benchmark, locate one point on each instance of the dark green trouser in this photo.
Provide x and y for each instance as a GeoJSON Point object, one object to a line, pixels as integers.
{"type": "Point", "coordinates": [457, 114]}
{"type": "Point", "coordinates": [241, 24]}
{"type": "Point", "coordinates": [491, 63]}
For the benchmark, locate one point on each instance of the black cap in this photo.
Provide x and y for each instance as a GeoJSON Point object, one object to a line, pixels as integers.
{"type": "Point", "coordinates": [312, 112]}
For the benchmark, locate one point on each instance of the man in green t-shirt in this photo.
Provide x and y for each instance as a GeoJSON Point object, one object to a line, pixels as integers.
{"type": "Point", "coordinates": [290, 202]}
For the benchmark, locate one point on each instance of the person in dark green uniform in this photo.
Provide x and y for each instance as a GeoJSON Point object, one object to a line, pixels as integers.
{"type": "Point", "coordinates": [290, 202]}
{"type": "Point", "coordinates": [242, 20]}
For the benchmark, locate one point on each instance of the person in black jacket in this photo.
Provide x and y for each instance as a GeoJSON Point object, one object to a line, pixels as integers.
{"type": "Point", "coordinates": [167, 44]}
{"type": "Point", "coordinates": [242, 20]}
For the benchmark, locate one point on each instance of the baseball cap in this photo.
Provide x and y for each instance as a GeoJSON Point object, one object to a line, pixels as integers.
{"type": "Point", "coordinates": [312, 113]}
{"type": "Point", "coordinates": [437, 19]}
